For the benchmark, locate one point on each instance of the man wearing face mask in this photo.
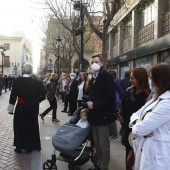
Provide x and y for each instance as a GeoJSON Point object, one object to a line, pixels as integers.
{"type": "Point", "coordinates": [101, 105]}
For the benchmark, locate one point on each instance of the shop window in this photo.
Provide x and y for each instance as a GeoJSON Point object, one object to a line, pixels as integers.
{"type": "Point", "coordinates": [148, 15]}
{"type": "Point", "coordinates": [164, 57]}
{"type": "Point", "coordinates": [126, 66]}
{"type": "Point", "coordinates": [144, 62]}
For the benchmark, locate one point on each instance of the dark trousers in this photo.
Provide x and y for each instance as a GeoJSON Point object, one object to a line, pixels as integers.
{"type": "Point", "coordinates": [62, 96]}
{"type": "Point", "coordinates": [1, 86]}
{"type": "Point", "coordinates": [66, 103]}
{"type": "Point", "coordinates": [73, 103]}
{"type": "Point", "coordinates": [6, 86]}
{"type": "Point", "coordinates": [79, 103]}
{"type": "Point", "coordinates": [53, 106]}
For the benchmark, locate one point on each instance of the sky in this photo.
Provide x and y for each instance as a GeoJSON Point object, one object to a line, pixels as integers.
{"type": "Point", "coordinates": [22, 15]}
{"type": "Point", "coordinates": [26, 15]}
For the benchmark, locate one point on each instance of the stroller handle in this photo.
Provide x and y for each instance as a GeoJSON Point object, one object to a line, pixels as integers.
{"type": "Point", "coordinates": [82, 150]}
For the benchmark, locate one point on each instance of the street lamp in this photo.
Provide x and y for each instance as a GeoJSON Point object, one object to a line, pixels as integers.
{"type": "Point", "coordinates": [15, 67]}
{"type": "Point", "coordinates": [2, 50]}
{"type": "Point", "coordinates": [80, 6]}
{"type": "Point", "coordinates": [58, 43]}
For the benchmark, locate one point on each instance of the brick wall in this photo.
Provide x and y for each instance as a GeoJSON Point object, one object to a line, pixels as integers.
{"type": "Point", "coordinates": [115, 50]}
{"type": "Point", "coordinates": [127, 44]}
{"type": "Point", "coordinates": [146, 34]}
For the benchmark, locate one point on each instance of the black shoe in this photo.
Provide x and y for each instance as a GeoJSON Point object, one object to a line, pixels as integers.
{"type": "Point", "coordinates": [70, 114]}
{"type": "Point", "coordinates": [18, 150]}
{"type": "Point", "coordinates": [64, 111]}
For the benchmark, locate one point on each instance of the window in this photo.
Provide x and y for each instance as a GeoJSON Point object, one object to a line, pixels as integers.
{"type": "Point", "coordinates": [6, 60]}
{"type": "Point", "coordinates": [7, 46]}
{"type": "Point", "coordinates": [115, 39]}
{"type": "Point", "coordinates": [148, 15]}
{"type": "Point", "coordinates": [128, 29]}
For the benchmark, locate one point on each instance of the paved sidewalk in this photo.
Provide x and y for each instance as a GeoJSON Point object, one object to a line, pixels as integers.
{"type": "Point", "coordinates": [9, 160]}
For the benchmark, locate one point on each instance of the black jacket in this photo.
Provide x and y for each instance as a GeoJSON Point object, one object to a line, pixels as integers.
{"type": "Point", "coordinates": [131, 103]}
{"type": "Point", "coordinates": [102, 94]}
{"type": "Point", "coordinates": [74, 88]}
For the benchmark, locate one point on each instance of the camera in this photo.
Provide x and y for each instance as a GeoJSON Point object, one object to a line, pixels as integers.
{"type": "Point", "coordinates": [85, 99]}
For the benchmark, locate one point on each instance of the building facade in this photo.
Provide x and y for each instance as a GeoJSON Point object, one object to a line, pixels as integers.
{"type": "Point", "coordinates": [18, 52]}
{"type": "Point", "coordinates": [140, 36]}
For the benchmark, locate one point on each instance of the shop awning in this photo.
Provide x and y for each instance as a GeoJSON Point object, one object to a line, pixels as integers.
{"type": "Point", "coordinates": [154, 46]}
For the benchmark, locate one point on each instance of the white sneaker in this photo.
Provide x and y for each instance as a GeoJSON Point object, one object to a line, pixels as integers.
{"type": "Point", "coordinates": [114, 138]}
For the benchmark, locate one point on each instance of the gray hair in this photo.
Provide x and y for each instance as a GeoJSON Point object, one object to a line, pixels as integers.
{"type": "Point", "coordinates": [73, 75]}
{"type": "Point", "coordinates": [27, 68]}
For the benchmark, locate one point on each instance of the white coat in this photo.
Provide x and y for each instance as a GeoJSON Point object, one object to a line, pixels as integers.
{"type": "Point", "coordinates": [152, 153]}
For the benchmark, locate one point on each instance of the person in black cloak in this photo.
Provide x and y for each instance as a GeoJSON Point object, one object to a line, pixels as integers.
{"type": "Point", "coordinates": [27, 92]}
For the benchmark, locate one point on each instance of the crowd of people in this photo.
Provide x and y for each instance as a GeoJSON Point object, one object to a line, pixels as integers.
{"type": "Point", "coordinates": [139, 102]}
{"type": "Point", "coordinates": [6, 82]}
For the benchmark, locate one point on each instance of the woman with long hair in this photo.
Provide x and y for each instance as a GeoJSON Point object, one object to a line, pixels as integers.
{"type": "Point", "coordinates": [82, 88]}
{"type": "Point", "coordinates": [135, 97]}
{"type": "Point", "coordinates": [151, 124]}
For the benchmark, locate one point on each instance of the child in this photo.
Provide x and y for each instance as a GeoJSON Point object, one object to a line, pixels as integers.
{"type": "Point", "coordinates": [83, 122]}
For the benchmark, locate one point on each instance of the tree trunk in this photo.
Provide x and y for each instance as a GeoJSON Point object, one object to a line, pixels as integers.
{"type": "Point", "coordinates": [105, 39]}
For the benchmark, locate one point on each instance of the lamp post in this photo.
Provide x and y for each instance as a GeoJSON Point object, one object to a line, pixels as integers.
{"type": "Point", "coordinates": [2, 50]}
{"type": "Point", "coordinates": [15, 67]}
{"type": "Point", "coordinates": [80, 6]}
{"type": "Point", "coordinates": [58, 43]}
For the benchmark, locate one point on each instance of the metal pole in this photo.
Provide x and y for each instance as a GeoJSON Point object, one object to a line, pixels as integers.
{"type": "Point", "coordinates": [81, 48]}
{"type": "Point", "coordinates": [58, 60]}
{"type": "Point", "coordinates": [2, 62]}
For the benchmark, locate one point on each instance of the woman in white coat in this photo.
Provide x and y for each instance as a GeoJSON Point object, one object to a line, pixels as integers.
{"type": "Point", "coordinates": [151, 124]}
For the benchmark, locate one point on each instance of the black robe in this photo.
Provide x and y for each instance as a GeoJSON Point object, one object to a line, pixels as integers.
{"type": "Point", "coordinates": [26, 128]}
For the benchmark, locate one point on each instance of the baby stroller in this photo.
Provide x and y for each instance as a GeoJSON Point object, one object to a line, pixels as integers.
{"type": "Point", "coordinates": [71, 141]}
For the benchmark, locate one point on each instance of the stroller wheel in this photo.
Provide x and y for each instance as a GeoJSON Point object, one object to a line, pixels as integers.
{"type": "Point", "coordinates": [48, 166]}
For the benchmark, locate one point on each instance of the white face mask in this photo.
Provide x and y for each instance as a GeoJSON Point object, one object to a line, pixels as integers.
{"type": "Point", "coordinates": [95, 67]}
{"type": "Point", "coordinates": [72, 78]}
{"type": "Point", "coordinates": [90, 76]}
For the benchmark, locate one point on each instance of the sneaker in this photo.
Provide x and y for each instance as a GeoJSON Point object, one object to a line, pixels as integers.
{"type": "Point", "coordinates": [115, 139]}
